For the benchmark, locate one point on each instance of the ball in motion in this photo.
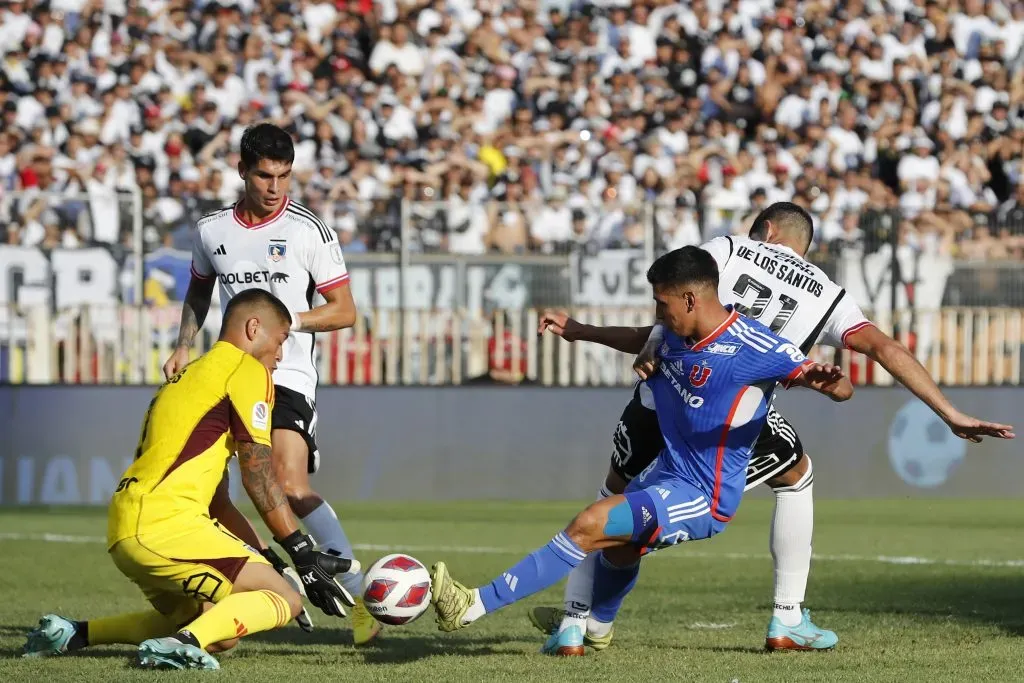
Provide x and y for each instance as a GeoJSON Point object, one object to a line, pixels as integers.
{"type": "Point", "coordinates": [396, 589]}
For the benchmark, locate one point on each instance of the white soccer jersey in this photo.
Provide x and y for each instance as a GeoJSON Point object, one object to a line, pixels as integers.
{"type": "Point", "coordinates": [776, 286]}
{"type": "Point", "coordinates": [291, 254]}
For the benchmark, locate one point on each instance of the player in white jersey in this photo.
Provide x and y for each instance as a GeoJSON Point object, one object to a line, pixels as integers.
{"type": "Point", "coordinates": [765, 277]}
{"type": "Point", "coordinates": [270, 242]}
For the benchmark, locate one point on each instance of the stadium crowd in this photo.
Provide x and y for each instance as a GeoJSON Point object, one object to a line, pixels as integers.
{"type": "Point", "coordinates": [524, 125]}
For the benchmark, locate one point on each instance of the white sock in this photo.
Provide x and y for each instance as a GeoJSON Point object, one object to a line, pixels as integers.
{"type": "Point", "coordinates": [476, 610]}
{"type": "Point", "coordinates": [579, 587]}
{"type": "Point", "coordinates": [598, 629]}
{"type": "Point", "coordinates": [792, 529]}
{"type": "Point", "coordinates": [324, 527]}
{"type": "Point", "coordinates": [579, 592]}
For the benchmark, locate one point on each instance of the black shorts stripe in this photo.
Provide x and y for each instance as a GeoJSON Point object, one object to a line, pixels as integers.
{"type": "Point", "coordinates": [813, 337]}
{"type": "Point", "coordinates": [300, 210]}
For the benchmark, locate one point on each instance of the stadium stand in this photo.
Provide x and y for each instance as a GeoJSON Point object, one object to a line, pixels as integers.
{"type": "Point", "coordinates": [873, 115]}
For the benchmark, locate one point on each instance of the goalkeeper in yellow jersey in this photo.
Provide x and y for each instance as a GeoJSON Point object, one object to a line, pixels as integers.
{"type": "Point", "coordinates": [207, 587]}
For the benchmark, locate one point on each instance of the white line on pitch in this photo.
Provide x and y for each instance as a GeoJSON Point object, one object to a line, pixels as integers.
{"type": "Point", "coordinates": [492, 550]}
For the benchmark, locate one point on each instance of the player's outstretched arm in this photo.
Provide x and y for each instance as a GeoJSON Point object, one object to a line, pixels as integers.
{"type": "Point", "coordinates": [826, 379]}
{"type": "Point", "coordinates": [625, 339]}
{"type": "Point", "coordinates": [901, 364]}
{"type": "Point", "coordinates": [316, 569]}
{"type": "Point", "coordinates": [193, 314]}
{"type": "Point", "coordinates": [338, 313]}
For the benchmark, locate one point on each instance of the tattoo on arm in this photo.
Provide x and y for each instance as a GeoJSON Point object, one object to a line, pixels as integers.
{"type": "Point", "coordinates": [194, 310]}
{"type": "Point", "coordinates": [258, 477]}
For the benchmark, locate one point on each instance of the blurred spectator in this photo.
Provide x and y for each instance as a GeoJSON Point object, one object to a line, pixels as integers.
{"type": "Point", "coordinates": [844, 107]}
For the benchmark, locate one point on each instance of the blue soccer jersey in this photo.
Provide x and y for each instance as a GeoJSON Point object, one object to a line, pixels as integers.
{"type": "Point", "coordinates": [711, 399]}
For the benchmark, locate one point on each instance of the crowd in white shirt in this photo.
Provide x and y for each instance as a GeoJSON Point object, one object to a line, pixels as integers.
{"type": "Point", "coordinates": [526, 125]}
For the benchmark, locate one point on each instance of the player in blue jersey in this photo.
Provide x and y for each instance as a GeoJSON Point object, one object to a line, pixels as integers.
{"type": "Point", "coordinates": [711, 401]}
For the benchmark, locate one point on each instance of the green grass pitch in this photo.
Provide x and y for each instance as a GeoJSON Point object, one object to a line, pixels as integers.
{"type": "Point", "coordinates": [698, 614]}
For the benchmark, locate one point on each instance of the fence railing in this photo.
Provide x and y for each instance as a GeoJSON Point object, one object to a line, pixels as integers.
{"type": "Point", "coordinates": [387, 346]}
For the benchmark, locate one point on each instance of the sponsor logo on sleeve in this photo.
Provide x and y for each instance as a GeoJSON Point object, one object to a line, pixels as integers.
{"type": "Point", "coordinates": [336, 254]}
{"type": "Point", "coordinates": [260, 415]}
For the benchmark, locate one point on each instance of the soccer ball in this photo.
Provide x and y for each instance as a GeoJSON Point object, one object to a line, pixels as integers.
{"type": "Point", "coordinates": [922, 450]}
{"type": "Point", "coordinates": [396, 589]}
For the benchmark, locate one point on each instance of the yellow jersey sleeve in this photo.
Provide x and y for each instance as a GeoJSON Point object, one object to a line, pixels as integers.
{"type": "Point", "coordinates": [251, 393]}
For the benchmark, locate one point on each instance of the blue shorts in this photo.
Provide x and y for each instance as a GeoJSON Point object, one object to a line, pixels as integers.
{"type": "Point", "coordinates": [668, 510]}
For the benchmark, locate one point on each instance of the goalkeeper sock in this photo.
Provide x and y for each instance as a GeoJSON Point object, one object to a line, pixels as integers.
{"type": "Point", "coordinates": [324, 527]}
{"type": "Point", "coordinates": [544, 567]}
{"type": "Point", "coordinates": [237, 615]}
{"type": "Point", "coordinates": [130, 629]}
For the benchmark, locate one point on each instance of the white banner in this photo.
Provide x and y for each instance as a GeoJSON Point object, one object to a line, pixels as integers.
{"type": "Point", "coordinates": [611, 278]}
{"type": "Point", "coordinates": [921, 286]}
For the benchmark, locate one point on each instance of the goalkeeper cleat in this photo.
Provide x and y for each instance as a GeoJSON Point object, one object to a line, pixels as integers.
{"type": "Point", "coordinates": [451, 599]}
{"type": "Point", "coordinates": [803, 636]}
{"type": "Point", "coordinates": [51, 637]}
{"type": "Point", "coordinates": [171, 653]}
{"type": "Point", "coordinates": [546, 619]}
{"type": "Point", "coordinates": [566, 643]}
{"type": "Point", "coordinates": [303, 620]}
{"type": "Point", "coordinates": [364, 627]}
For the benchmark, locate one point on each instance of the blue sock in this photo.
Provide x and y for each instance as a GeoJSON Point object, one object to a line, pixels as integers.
{"type": "Point", "coordinates": [611, 586]}
{"type": "Point", "coordinates": [542, 568]}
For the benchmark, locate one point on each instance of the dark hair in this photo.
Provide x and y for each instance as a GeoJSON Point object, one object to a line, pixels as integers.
{"type": "Point", "coordinates": [788, 217]}
{"type": "Point", "coordinates": [255, 300]}
{"type": "Point", "coordinates": [687, 266]}
{"type": "Point", "coordinates": [266, 141]}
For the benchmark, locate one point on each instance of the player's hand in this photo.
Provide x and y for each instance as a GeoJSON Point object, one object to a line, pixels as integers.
{"type": "Point", "coordinates": [317, 571]}
{"type": "Point", "coordinates": [826, 373]}
{"type": "Point", "coordinates": [290, 575]}
{"type": "Point", "coordinates": [973, 429]}
{"type": "Point", "coordinates": [827, 379]}
{"type": "Point", "coordinates": [559, 323]}
{"type": "Point", "coordinates": [176, 362]}
{"type": "Point", "coordinates": [646, 362]}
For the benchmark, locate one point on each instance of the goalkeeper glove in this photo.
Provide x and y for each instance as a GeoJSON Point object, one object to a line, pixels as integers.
{"type": "Point", "coordinates": [303, 620]}
{"type": "Point", "coordinates": [317, 571]}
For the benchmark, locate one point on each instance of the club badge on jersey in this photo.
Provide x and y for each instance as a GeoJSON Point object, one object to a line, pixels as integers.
{"type": "Point", "coordinates": [276, 250]}
{"type": "Point", "coordinates": [699, 374]}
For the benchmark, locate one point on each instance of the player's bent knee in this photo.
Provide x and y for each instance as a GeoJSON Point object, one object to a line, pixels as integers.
{"type": "Point", "coordinates": [585, 529]}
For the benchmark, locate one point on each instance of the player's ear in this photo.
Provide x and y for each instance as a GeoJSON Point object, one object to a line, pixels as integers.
{"type": "Point", "coordinates": [241, 170]}
{"type": "Point", "coordinates": [252, 328]}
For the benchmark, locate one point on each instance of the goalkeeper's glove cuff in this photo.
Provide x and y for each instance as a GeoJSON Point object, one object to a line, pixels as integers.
{"type": "Point", "coordinates": [296, 544]}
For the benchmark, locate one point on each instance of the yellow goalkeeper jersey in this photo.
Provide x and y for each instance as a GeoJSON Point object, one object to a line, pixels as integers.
{"type": "Point", "coordinates": [188, 436]}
